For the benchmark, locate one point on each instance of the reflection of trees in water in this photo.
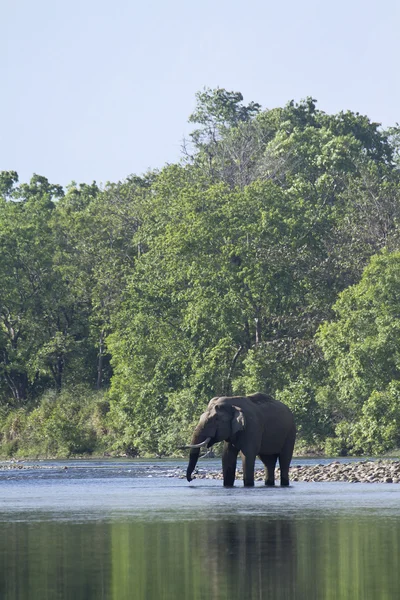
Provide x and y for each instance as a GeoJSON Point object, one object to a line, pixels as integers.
{"type": "Point", "coordinates": [251, 558]}
{"type": "Point", "coordinates": [302, 559]}
{"type": "Point", "coordinates": [349, 557]}
{"type": "Point", "coordinates": [246, 558]}
{"type": "Point", "coordinates": [49, 560]}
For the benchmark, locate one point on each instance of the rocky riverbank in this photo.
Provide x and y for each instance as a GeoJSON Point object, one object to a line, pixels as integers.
{"type": "Point", "coordinates": [366, 471]}
{"type": "Point", "coordinates": [19, 465]}
{"type": "Point", "coordinates": [380, 471]}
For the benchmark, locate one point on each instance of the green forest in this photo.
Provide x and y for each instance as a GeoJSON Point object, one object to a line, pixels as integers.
{"type": "Point", "coordinates": [266, 259]}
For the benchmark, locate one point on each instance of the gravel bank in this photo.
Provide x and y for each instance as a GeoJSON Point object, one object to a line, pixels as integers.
{"type": "Point", "coordinates": [367, 471]}
{"type": "Point", "coordinates": [380, 471]}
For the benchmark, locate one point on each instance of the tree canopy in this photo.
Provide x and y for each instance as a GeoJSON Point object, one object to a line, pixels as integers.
{"type": "Point", "coordinates": [266, 259]}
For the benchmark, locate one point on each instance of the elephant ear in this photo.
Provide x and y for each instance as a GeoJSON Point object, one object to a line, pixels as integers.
{"type": "Point", "coordinates": [238, 420]}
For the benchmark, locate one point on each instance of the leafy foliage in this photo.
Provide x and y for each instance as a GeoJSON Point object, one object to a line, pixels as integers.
{"type": "Point", "coordinates": [362, 350]}
{"type": "Point", "coordinates": [211, 276]}
{"type": "Point", "coordinates": [72, 422]}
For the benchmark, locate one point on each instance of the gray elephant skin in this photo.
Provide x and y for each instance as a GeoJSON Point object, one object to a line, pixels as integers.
{"type": "Point", "coordinates": [254, 425]}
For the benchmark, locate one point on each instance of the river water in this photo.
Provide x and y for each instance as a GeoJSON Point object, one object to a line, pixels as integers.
{"type": "Point", "coordinates": [121, 529]}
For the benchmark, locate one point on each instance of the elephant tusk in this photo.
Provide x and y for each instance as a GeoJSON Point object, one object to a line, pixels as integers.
{"type": "Point", "coordinates": [196, 445]}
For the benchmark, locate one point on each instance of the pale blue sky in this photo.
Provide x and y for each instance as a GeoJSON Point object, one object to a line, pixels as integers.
{"type": "Point", "coordinates": [100, 89]}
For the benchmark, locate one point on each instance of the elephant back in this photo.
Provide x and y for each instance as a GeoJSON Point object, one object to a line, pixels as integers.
{"type": "Point", "coordinates": [260, 398]}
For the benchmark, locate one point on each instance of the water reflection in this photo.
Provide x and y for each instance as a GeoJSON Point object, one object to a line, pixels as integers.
{"type": "Point", "coordinates": [247, 558]}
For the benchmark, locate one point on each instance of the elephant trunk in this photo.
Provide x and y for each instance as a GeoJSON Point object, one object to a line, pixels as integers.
{"type": "Point", "coordinates": [193, 457]}
{"type": "Point", "coordinates": [198, 442]}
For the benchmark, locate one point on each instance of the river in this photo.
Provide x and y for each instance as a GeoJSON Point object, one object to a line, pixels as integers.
{"type": "Point", "coordinates": [121, 529]}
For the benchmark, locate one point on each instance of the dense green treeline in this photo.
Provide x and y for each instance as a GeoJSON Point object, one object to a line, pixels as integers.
{"type": "Point", "coordinates": [267, 259]}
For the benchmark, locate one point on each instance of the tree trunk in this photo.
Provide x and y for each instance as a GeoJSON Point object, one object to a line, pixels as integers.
{"type": "Point", "coordinates": [18, 385]}
{"type": "Point", "coordinates": [258, 330]}
{"type": "Point", "coordinates": [228, 386]}
{"type": "Point", "coordinates": [100, 361]}
{"type": "Point", "coordinates": [57, 372]}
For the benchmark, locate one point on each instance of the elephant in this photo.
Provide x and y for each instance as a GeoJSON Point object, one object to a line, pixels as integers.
{"type": "Point", "coordinates": [254, 425]}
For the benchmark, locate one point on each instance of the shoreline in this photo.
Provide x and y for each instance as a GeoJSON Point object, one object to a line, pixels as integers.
{"type": "Point", "coordinates": [365, 471]}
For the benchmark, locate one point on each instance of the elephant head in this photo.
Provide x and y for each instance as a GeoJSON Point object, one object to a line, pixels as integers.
{"type": "Point", "coordinates": [219, 422]}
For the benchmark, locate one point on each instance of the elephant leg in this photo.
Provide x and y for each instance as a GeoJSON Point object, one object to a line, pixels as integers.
{"type": "Point", "coordinates": [248, 462]}
{"type": "Point", "coordinates": [285, 457]}
{"type": "Point", "coordinates": [229, 458]}
{"type": "Point", "coordinates": [269, 461]}
{"type": "Point", "coordinates": [284, 465]}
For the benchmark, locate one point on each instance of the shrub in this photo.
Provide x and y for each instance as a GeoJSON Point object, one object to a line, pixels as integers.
{"type": "Point", "coordinates": [69, 423]}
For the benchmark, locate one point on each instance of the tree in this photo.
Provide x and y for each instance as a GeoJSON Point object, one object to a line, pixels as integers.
{"type": "Point", "coordinates": [212, 276]}
{"type": "Point", "coordinates": [96, 229]}
{"type": "Point", "coordinates": [217, 153]}
{"type": "Point", "coordinates": [43, 323]}
{"type": "Point", "coordinates": [362, 345]}
{"type": "Point", "coordinates": [26, 249]}
{"type": "Point", "coordinates": [222, 300]}
{"type": "Point", "coordinates": [216, 111]}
